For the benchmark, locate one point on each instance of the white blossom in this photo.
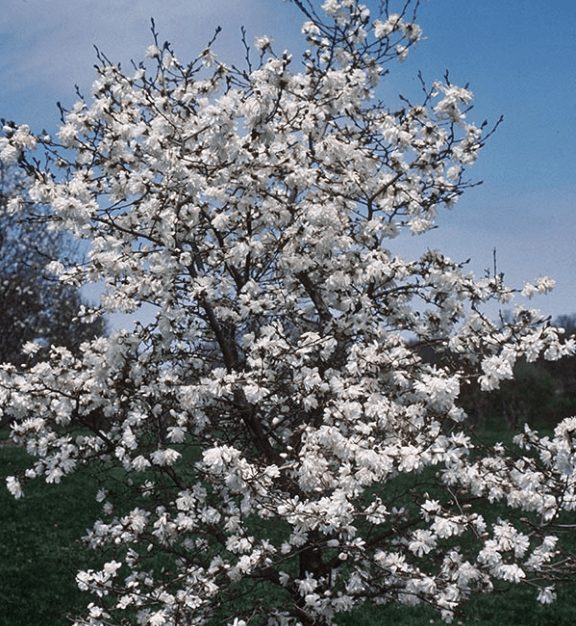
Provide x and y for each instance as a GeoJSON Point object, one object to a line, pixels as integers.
{"type": "Point", "coordinates": [547, 595]}
{"type": "Point", "coordinates": [14, 486]}
{"type": "Point", "coordinates": [263, 43]}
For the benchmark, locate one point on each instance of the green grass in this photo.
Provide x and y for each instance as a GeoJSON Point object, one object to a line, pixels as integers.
{"type": "Point", "coordinates": [39, 548]}
{"type": "Point", "coordinates": [40, 554]}
{"type": "Point", "coordinates": [517, 607]}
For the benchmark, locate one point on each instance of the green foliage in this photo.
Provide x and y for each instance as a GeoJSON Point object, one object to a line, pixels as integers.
{"type": "Point", "coordinates": [527, 398]}
{"type": "Point", "coordinates": [541, 394]}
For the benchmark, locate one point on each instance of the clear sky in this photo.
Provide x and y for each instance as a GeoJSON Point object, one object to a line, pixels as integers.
{"type": "Point", "coordinates": [519, 57]}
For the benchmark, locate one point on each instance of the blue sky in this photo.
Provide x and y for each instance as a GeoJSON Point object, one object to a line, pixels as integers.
{"type": "Point", "coordinates": [519, 57]}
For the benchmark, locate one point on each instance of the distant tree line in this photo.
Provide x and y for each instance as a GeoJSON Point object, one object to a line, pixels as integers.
{"type": "Point", "coordinates": [541, 393]}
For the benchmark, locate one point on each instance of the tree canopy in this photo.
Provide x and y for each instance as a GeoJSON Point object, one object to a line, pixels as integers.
{"type": "Point", "coordinates": [281, 437]}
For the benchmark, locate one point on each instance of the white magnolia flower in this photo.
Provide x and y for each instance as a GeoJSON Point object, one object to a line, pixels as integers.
{"type": "Point", "coordinates": [263, 43]}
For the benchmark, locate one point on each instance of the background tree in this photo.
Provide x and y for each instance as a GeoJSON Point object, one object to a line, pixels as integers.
{"type": "Point", "coordinates": [288, 454]}
{"type": "Point", "coordinates": [542, 392]}
{"type": "Point", "coordinates": [564, 375]}
{"type": "Point", "coordinates": [36, 307]}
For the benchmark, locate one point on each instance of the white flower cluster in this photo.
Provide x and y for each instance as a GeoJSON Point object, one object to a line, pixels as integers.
{"type": "Point", "coordinates": [15, 140]}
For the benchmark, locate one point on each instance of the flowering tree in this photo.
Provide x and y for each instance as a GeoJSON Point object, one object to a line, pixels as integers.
{"type": "Point", "coordinates": [287, 452]}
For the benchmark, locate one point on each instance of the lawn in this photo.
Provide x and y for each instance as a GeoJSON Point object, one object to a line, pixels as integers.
{"type": "Point", "coordinates": [39, 548]}
{"type": "Point", "coordinates": [40, 553]}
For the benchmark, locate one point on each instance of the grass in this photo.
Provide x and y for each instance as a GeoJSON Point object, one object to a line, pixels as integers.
{"type": "Point", "coordinates": [40, 554]}
{"type": "Point", "coordinates": [39, 548]}
{"type": "Point", "coordinates": [517, 607]}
